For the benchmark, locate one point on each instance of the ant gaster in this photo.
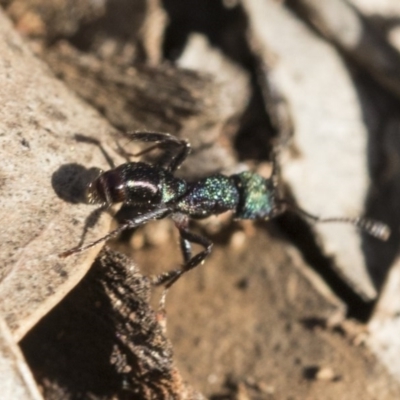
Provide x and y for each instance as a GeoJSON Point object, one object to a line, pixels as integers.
{"type": "Point", "coordinates": [155, 189]}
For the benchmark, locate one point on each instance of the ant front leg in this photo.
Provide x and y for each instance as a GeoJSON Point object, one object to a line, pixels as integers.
{"type": "Point", "coordinates": [187, 237]}
{"type": "Point", "coordinates": [133, 223]}
{"type": "Point", "coordinates": [177, 149]}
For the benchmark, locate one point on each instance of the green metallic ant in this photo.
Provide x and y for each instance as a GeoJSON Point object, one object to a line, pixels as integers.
{"type": "Point", "coordinates": [155, 189]}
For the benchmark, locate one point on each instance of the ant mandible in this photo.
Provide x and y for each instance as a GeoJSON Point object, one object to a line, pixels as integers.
{"type": "Point", "coordinates": [155, 189]}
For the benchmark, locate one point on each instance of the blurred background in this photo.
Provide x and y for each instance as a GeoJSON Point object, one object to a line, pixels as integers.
{"type": "Point", "coordinates": [281, 309]}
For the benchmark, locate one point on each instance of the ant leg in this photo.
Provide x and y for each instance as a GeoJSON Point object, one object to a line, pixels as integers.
{"type": "Point", "coordinates": [182, 222]}
{"type": "Point", "coordinates": [87, 139]}
{"type": "Point", "coordinates": [169, 278]}
{"type": "Point", "coordinates": [133, 223]}
{"type": "Point", "coordinates": [195, 260]}
{"type": "Point", "coordinates": [177, 149]}
{"type": "Point", "coordinates": [186, 249]}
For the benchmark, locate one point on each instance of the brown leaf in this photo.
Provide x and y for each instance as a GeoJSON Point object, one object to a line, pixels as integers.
{"type": "Point", "coordinates": [42, 179]}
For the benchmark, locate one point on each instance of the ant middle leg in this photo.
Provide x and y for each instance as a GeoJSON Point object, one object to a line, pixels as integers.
{"type": "Point", "coordinates": [176, 149]}
{"type": "Point", "coordinates": [195, 260]}
{"type": "Point", "coordinates": [186, 247]}
{"type": "Point", "coordinates": [187, 237]}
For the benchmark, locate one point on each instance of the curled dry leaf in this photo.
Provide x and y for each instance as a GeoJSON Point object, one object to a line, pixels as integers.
{"type": "Point", "coordinates": [42, 180]}
{"type": "Point", "coordinates": [122, 31]}
{"type": "Point", "coordinates": [343, 25]}
{"type": "Point", "coordinates": [327, 172]}
{"type": "Point", "coordinates": [163, 98]}
{"type": "Point", "coordinates": [110, 330]}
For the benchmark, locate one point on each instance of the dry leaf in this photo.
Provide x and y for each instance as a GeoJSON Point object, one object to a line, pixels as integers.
{"type": "Point", "coordinates": [42, 179]}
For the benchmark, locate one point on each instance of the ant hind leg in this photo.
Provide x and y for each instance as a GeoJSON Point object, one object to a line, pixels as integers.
{"type": "Point", "coordinates": [177, 149]}
{"type": "Point", "coordinates": [87, 139]}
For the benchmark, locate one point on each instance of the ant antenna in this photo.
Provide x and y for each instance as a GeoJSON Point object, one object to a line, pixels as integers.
{"type": "Point", "coordinates": [373, 227]}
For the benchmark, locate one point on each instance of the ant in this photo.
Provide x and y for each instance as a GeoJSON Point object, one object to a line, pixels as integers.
{"type": "Point", "coordinates": [156, 190]}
